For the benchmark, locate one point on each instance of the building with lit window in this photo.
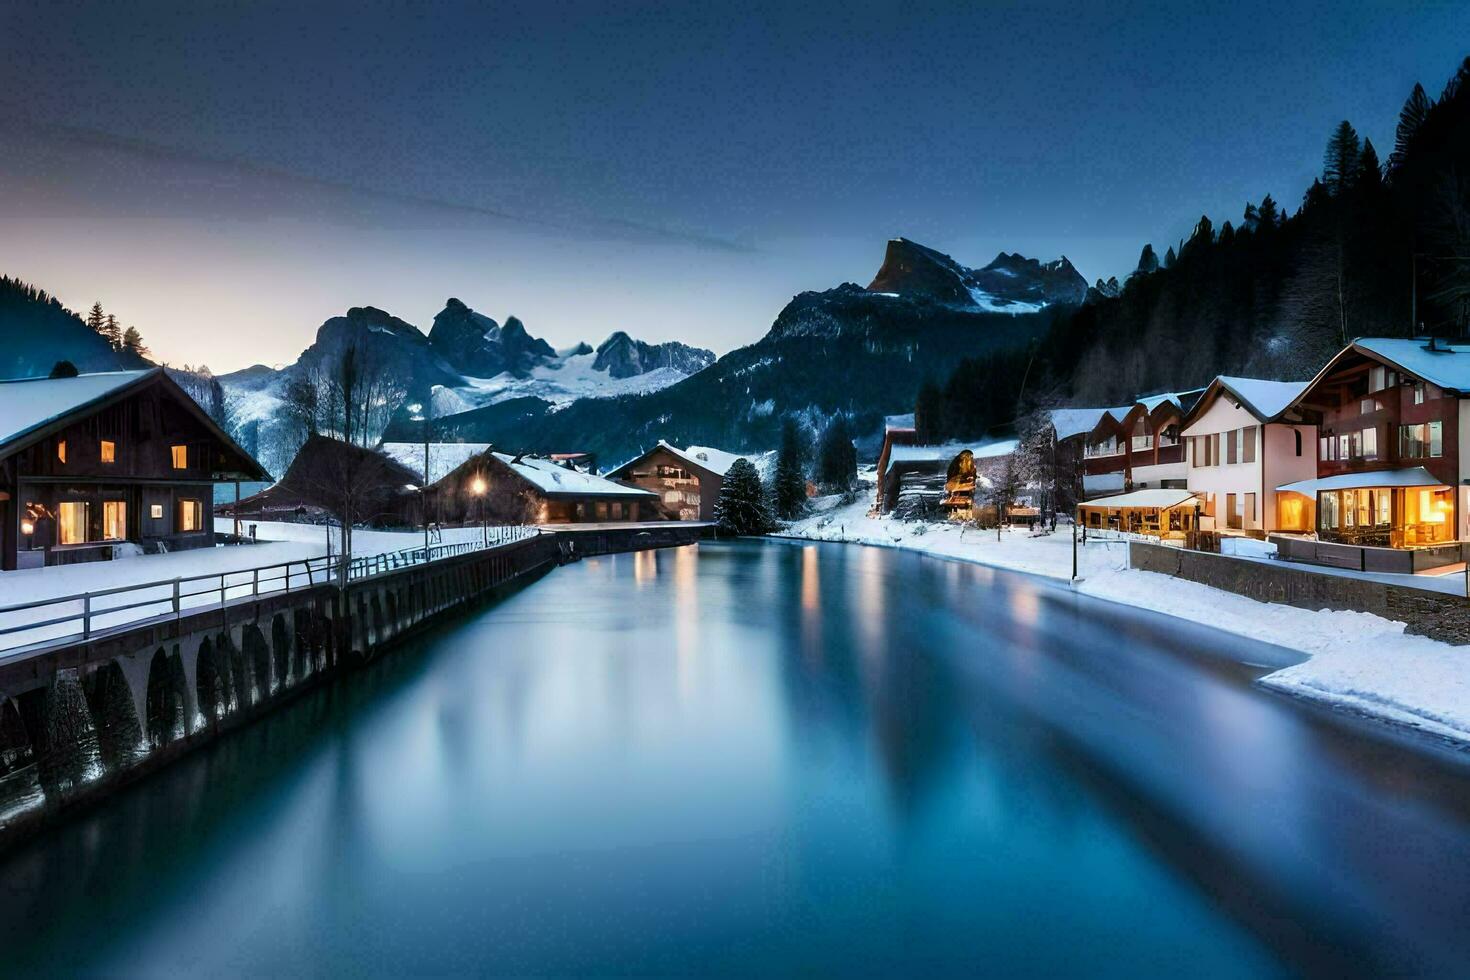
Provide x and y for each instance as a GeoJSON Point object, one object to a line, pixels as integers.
{"type": "Point", "coordinates": [1391, 415]}
{"type": "Point", "coordinates": [501, 488]}
{"type": "Point", "coordinates": [1243, 439]}
{"type": "Point", "coordinates": [686, 481]}
{"type": "Point", "coordinates": [97, 465]}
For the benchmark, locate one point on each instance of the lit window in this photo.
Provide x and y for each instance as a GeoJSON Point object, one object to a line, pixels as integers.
{"type": "Point", "coordinates": [191, 515]}
{"type": "Point", "coordinates": [114, 519]}
{"type": "Point", "coordinates": [155, 511]}
{"type": "Point", "coordinates": [181, 457]}
{"type": "Point", "coordinates": [71, 522]}
{"type": "Point", "coordinates": [109, 451]}
{"type": "Point", "coordinates": [61, 450]}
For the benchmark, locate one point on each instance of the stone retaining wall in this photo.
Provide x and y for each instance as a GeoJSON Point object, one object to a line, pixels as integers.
{"type": "Point", "coordinates": [1433, 614]}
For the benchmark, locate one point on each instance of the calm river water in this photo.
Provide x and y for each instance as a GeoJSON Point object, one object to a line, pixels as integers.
{"type": "Point", "coordinates": [773, 758]}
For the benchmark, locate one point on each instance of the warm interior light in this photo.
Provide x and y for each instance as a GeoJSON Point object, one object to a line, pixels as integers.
{"type": "Point", "coordinates": [477, 486]}
{"type": "Point", "coordinates": [26, 527]}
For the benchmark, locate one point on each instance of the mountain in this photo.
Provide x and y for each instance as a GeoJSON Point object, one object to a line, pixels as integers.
{"type": "Point", "coordinates": [1011, 283]}
{"type": "Point", "coordinates": [860, 351]}
{"type": "Point", "coordinates": [466, 361]}
{"type": "Point", "coordinates": [36, 331]}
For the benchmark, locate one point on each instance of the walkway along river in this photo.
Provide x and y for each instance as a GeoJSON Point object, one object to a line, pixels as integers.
{"type": "Point", "coordinates": [763, 757]}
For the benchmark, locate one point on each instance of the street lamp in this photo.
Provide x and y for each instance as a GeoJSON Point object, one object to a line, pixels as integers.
{"type": "Point", "coordinates": [477, 487]}
{"type": "Point", "coordinates": [420, 414]}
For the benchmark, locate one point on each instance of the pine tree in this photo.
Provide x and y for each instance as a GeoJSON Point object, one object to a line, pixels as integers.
{"type": "Point", "coordinates": [837, 457]}
{"type": "Point", "coordinates": [1269, 214]}
{"type": "Point", "coordinates": [1370, 174]}
{"type": "Point", "coordinates": [929, 413]}
{"type": "Point", "coordinates": [741, 507]}
{"type": "Point", "coordinates": [112, 332]}
{"type": "Point", "coordinates": [132, 342]}
{"type": "Point", "coordinates": [96, 319]}
{"type": "Point", "coordinates": [789, 482]}
{"type": "Point", "coordinates": [1170, 258]}
{"type": "Point", "coordinates": [1342, 160]}
{"type": "Point", "coordinates": [1411, 118]}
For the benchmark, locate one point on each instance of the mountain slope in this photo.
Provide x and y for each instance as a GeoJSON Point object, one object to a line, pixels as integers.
{"type": "Point", "coordinates": [1011, 283]}
{"type": "Point", "coordinates": [36, 331]}
{"type": "Point", "coordinates": [860, 351]}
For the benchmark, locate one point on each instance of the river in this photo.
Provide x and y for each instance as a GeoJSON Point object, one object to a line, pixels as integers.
{"type": "Point", "coordinates": [766, 757]}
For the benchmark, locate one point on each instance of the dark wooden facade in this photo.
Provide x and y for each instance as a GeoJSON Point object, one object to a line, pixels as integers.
{"type": "Point", "coordinates": [135, 465]}
{"type": "Point", "coordinates": [496, 488]}
{"type": "Point", "coordinates": [330, 479]}
{"type": "Point", "coordinates": [687, 489]}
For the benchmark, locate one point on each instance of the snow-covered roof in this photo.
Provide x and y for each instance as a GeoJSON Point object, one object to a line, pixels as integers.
{"type": "Point", "coordinates": [29, 404]}
{"type": "Point", "coordinates": [1448, 365]}
{"type": "Point", "coordinates": [948, 451]}
{"type": "Point", "coordinates": [553, 478]}
{"type": "Point", "coordinates": [1413, 476]}
{"type": "Point", "coordinates": [1159, 497]}
{"type": "Point", "coordinates": [1070, 422]}
{"type": "Point", "coordinates": [714, 460]}
{"type": "Point", "coordinates": [1264, 399]}
{"type": "Point", "coordinates": [1179, 399]}
{"type": "Point", "coordinates": [444, 457]}
{"type": "Point", "coordinates": [898, 421]}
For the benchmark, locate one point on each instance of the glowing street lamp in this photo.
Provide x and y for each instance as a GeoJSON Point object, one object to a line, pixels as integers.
{"type": "Point", "coordinates": [478, 488]}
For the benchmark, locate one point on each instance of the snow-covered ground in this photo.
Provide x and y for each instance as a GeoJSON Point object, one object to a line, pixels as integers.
{"type": "Point", "coordinates": [280, 544]}
{"type": "Point", "coordinates": [1357, 661]}
{"type": "Point", "coordinates": [561, 383]}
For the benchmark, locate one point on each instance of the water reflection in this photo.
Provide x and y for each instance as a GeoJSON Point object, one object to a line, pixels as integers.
{"type": "Point", "coordinates": [769, 758]}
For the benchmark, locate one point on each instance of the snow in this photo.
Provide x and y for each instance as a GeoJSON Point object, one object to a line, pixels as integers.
{"type": "Point", "coordinates": [444, 457]}
{"type": "Point", "coordinates": [714, 460]}
{"type": "Point", "coordinates": [995, 304]}
{"type": "Point", "coordinates": [891, 422]}
{"type": "Point", "coordinates": [1356, 661]}
{"type": "Point", "coordinates": [1070, 422]}
{"type": "Point", "coordinates": [1413, 476]}
{"type": "Point", "coordinates": [549, 477]}
{"type": "Point", "coordinates": [1159, 497]}
{"type": "Point", "coordinates": [30, 403]}
{"type": "Point", "coordinates": [1448, 367]}
{"type": "Point", "coordinates": [563, 382]}
{"type": "Point", "coordinates": [280, 543]}
{"type": "Point", "coordinates": [949, 450]}
{"type": "Point", "coordinates": [1263, 399]}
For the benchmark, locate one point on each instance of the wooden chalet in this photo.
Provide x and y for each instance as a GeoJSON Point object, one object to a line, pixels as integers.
{"type": "Point", "coordinates": [330, 479]}
{"type": "Point", "coordinates": [500, 488]}
{"type": "Point", "coordinates": [1391, 415]}
{"type": "Point", "coordinates": [687, 482]}
{"type": "Point", "coordinates": [94, 465]}
{"type": "Point", "coordinates": [1136, 446]}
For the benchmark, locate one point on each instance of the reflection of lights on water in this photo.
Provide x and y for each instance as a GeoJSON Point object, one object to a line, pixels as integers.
{"type": "Point", "coordinates": [686, 616]}
{"type": "Point", "coordinates": [1026, 606]}
{"type": "Point", "coordinates": [645, 567]}
{"type": "Point", "coordinates": [871, 604]}
{"type": "Point", "coordinates": [810, 579]}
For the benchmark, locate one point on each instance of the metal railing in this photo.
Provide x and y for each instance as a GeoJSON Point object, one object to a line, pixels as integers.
{"type": "Point", "coordinates": [80, 616]}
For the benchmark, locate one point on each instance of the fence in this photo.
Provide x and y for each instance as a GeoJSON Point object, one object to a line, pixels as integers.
{"type": "Point", "coordinates": [80, 616]}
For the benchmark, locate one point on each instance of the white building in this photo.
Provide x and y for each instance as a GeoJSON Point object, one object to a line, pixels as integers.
{"type": "Point", "coordinates": [1243, 440]}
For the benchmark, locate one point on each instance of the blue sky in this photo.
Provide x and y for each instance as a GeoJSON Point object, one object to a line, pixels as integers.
{"type": "Point", "coordinates": [226, 176]}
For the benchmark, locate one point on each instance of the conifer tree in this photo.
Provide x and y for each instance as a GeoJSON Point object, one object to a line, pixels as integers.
{"type": "Point", "coordinates": [96, 319]}
{"type": "Point", "coordinates": [789, 481]}
{"type": "Point", "coordinates": [741, 507]}
{"type": "Point", "coordinates": [837, 457]}
{"type": "Point", "coordinates": [112, 332]}
{"type": "Point", "coordinates": [928, 413]}
{"type": "Point", "coordinates": [1270, 215]}
{"type": "Point", "coordinates": [1147, 261]}
{"type": "Point", "coordinates": [1342, 159]}
{"type": "Point", "coordinates": [132, 342]}
{"type": "Point", "coordinates": [1170, 258]}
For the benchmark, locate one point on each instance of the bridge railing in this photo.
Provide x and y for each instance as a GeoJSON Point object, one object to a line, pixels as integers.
{"type": "Point", "coordinates": [80, 616]}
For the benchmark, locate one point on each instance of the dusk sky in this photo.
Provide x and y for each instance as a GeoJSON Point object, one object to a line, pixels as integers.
{"type": "Point", "coordinates": [227, 176]}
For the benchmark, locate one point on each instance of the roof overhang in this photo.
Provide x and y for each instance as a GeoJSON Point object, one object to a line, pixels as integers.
{"type": "Point", "coordinates": [1160, 498]}
{"type": "Point", "coordinates": [1414, 476]}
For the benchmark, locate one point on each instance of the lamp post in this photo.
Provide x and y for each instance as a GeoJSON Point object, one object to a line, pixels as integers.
{"type": "Point", "coordinates": [477, 487]}
{"type": "Point", "coordinates": [422, 414]}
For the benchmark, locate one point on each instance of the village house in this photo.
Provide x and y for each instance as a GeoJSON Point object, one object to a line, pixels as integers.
{"type": "Point", "coordinates": [686, 481]}
{"type": "Point", "coordinates": [331, 480]}
{"type": "Point", "coordinates": [96, 465]}
{"type": "Point", "coordinates": [938, 481]}
{"type": "Point", "coordinates": [1131, 447]}
{"type": "Point", "coordinates": [1243, 439]}
{"type": "Point", "coordinates": [501, 488]}
{"type": "Point", "coordinates": [1391, 418]}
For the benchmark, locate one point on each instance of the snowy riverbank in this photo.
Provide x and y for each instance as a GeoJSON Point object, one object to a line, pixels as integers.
{"type": "Point", "coordinates": [1357, 661]}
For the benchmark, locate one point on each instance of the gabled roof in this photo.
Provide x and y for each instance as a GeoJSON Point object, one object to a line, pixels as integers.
{"type": "Point", "coordinates": [1069, 422]}
{"type": "Point", "coordinates": [553, 479]}
{"type": "Point", "coordinates": [1446, 365]}
{"type": "Point", "coordinates": [1265, 400]}
{"type": "Point", "coordinates": [31, 408]}
{"type": "Point", "coordinates": [948, 451]}
{"type": "Point", "coordinates": [715, 461]}
{"type": "Point", "coordinates": [30, 404]}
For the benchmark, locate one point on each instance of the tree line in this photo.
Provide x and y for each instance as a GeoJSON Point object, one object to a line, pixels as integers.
{"type": "Point", "coordinates": [121, 339]}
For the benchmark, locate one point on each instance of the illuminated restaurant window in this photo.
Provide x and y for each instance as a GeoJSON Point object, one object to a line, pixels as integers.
{"type": "Point", "coordinates": [109, 451]}
{"type": "Point", "coordinates": [71, 522]}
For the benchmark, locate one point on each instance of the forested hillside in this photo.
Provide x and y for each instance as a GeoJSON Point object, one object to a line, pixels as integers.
{"type": "Point", "coordinates": [36, 331]}
{"type": "Point", "coordinates": [1375, 248]}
